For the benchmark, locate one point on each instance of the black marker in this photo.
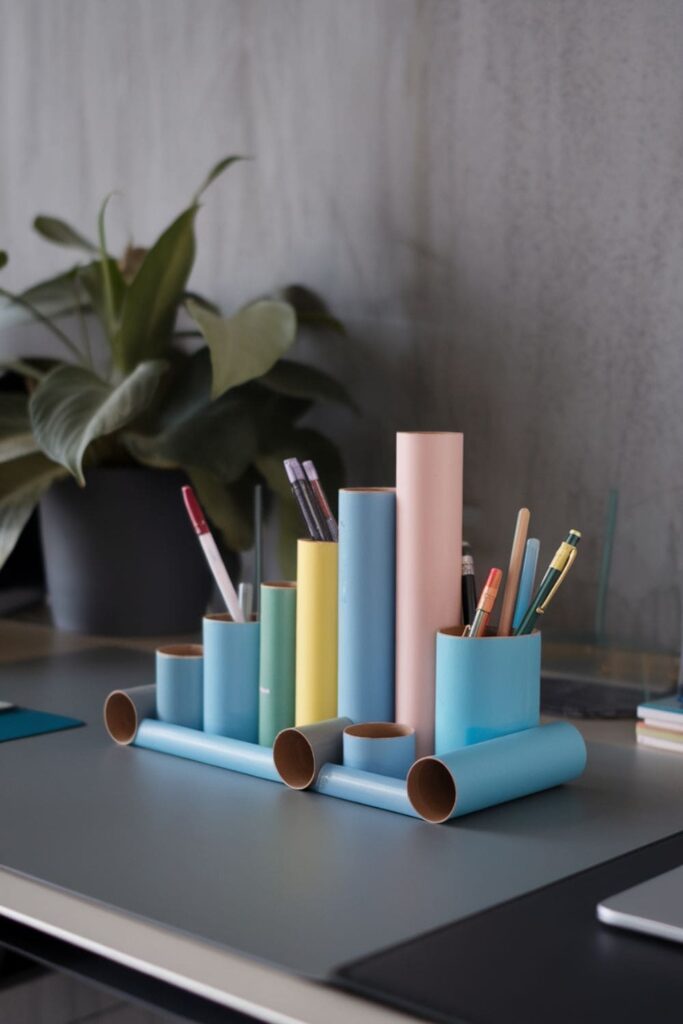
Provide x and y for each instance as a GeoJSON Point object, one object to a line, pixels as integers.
{"type": "Point", "coordinates": [469, 587]}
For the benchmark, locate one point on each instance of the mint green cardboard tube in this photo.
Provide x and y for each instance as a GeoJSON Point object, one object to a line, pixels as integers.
{"type": "Point", "coordinates": [489, 773]}
{"type": "Point", "coordinates": [277, 662]}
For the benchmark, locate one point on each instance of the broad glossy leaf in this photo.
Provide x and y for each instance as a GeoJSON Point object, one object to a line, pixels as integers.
{"type": "Point", "coordinates": [4, 259]}
{"type": "Point", "coordinates": [152, 298]}
{"type": "Point", "coordinates": [22, 484]}
{"type": "Point", "coordinates": [22, 368]}
{"type": "Point", "coordinates": [73, 406]}
{"type": "Point", "coordinates": [215, 172]}
{"type": "Point", "coordinates": [301, 381]}
{"type": "Point", "coordinates": [16, 436]}
{"type": "Point", "coordinates": [311, 308]}
{"type": "Point", "coordinates": [248, 344]}
{"type": "Point", "coordinates": [56, 230]}
{"type": "Point", "coordinates": [228, 506]}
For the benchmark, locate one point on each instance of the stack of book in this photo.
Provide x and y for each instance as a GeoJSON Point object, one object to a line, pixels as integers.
{"type": "Point", "coordinates": [661, 724]}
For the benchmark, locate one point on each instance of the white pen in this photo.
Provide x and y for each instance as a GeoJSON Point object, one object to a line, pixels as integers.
{"type": "Point", "coordinates": [213, 557]}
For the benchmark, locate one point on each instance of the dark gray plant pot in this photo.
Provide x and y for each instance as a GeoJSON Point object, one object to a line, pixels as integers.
{"type": "Point", "coordinates": [121, 558]}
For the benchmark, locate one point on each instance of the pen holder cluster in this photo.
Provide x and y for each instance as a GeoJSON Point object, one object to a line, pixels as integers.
{"type": "Point", "coordinates": [231, 677]}
{"type": "Point", "coordinates": [486, 687]}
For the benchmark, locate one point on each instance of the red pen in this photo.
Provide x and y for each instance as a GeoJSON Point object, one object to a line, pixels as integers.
{"type": "Point", "coordinates": [487, 600]}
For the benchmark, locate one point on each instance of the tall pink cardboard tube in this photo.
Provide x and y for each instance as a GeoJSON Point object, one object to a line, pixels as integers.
{"type": "Point", "coordinates": [428, 568]}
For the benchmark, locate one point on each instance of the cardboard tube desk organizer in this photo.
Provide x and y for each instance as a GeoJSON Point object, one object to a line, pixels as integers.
{"type": "Point", "coordinates": [128, 717]}
{"type": "Point", "coordinates": [231, 677]}
{"type": "Point", "coordinates": [428, 568]}
{"type": "Point", "coordinates": [485, 687]}
{"type": "Point", "coordinates": [367, 603]}
{"type": "Point", "coordinates": [307, 758]}
{"type": "Point", "coordinates": [277, 661]}
{"type": "Point", "coordinates": [316, 631]}
{"type": "Point", "coordinates": [492, 772]}
{"type": "Point", "coordinates": [180, 684]}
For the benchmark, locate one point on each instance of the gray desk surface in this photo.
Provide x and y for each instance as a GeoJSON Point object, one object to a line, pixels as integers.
{"type": "Point", "coordinates": [297, 880]}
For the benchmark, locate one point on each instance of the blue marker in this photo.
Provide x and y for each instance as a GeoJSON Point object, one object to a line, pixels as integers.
{"type": "Point", "coordinates": [526, 581]}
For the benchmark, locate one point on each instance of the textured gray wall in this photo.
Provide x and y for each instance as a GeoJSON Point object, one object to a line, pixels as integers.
{"type": "Point", "coordinates": [488, 191]}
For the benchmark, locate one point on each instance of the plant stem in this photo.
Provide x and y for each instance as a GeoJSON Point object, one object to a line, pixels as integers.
{"type": "Point", "coordinates": [82, 321]}
{"type": "Point", "coordinates": [58, 333]}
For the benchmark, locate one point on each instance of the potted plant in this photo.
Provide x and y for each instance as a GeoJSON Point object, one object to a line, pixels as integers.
{"type": "Point", "coordinates": [176, 391]}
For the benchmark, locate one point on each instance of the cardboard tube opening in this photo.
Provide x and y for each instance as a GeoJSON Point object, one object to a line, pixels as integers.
{"type": "Point", "coordinates": [283, 584]}
{"type": "Point", "coordinates": [181, 650]}
{"type": "Point", "coordinates": [293, 758]}
{"type": "Point", "coordinates": [379, 730]}
{"type": "Point", "coordinates": [227, 617]}
{"type": "Point", "coordinates": [431, 790]}
{"type": "Point", "coordinates": [120, 717]}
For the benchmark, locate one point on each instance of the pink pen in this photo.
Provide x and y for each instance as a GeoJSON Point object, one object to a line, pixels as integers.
{"type": "Point", "coordinates": [220, 573]}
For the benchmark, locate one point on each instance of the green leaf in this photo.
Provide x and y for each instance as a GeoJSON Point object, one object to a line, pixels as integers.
{"type": "Point", "coordinates": [4, 259]}
{"type": "Point", "coordinates": [300, 381]}
{"type": "Point", "coordinates": [91, 277]}
{"type": "Point", "coordinates": [16, 436]}
{"type": "Point", "coordinates": [56, 230]}
{"type": "Point", "coordinates": [73, 406]}
{"type": "Point", "coordinates": [228, 506]}
{"type": "Point", "coordinates": [22, 484]}
{"type": "Point", "coordinates": [311, 309]}
{"type": "Point", "coordinates": [110, 319]}
{"type": "Point", "coordinates": [22, 368]}
{"type": "Point", "coordinates": [215, 172]}
{"type": "Point", "coordinates": [152, 298]}
{"type": "Point", "coordinates": [248, 344]}
{"type": "Point", "coordinates": [54, 298]}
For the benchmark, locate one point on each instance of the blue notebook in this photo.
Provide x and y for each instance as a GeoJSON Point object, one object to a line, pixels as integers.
{"type": "Point", "coordinates": [17, 723]}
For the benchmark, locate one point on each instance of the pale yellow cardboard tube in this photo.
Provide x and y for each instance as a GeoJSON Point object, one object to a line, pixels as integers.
{"type": "Point", "coordinates": [124, 710]}
{"type": "Point", "coordinates": [316, 631]}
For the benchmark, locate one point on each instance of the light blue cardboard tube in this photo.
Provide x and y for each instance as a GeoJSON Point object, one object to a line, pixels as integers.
{"type": "Point", "coordinates": [180, 685]}
{"type": "Point", "coordinates": [383, 748]}
{"type": "Point", "coordinates": [367, 604]}
{"type": "Point", "coordinates": [364, 788]}
{"type": "Point", "coordinates": [231, 678]}
{"type": "Point", "coordinates": [485, 774]}
{"type": "Point", "coordinates": [485, 687]}
{"type": "Point", "coordinates": [219, 751]}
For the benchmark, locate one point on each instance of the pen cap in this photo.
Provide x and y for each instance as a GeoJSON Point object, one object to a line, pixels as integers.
{"type": "Point", "coordinates": [316, 631]}
{"type": "Point", "coordinates": [277, 661]}
{"type": "Point", "coordinates": [231, 677]}
{"type": "Point", "coordinates": [486, 686]}
{"type": "Point", "coordinates": [472, 778]}
{"type": "Point", "coordinates": [180, 684]}
{"type": "Point", "coordinates": [367, 603]}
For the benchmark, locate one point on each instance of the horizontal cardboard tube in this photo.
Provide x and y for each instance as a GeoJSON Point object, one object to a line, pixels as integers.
{"type": "Point", "coordinates": [489, 773]}
{"type": "Point", "coordinates": [125, 709]}
{"type": "Point", "coordinates": [300, 752]}
{"type": "Point", "coordinates": [219, 751]}
{"type": "Point", "coordinates": [359, 787]}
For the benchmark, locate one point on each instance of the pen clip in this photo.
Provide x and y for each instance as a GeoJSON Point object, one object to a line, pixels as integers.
{"type": "Point", "coordinates": [558, 582]}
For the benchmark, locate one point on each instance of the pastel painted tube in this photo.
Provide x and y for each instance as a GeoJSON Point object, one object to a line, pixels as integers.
{"type": "Point", "coordinates": [277, 660]}
{"type": "Point", "coordinates": [299, 753]}
{"type": "Point", "coordinates": [231, 677]}
{"type": "Point", "coordinates": [125, 709]}
{"type": "Point", "coordinates": [180, 684]}
{"type": "Point", "coordinates": [383, 748]}
{"type": "Point", "coordinates": [486, 687]}
{"type": "Point", "coordinates": [219, 751]}
{"type": "Point", "coordinates": [428, 568]}
{"type": "Point", "coordinates": [316, 631]}
{"type": "Point", "coordinates": [380, 791]}
{"type": "Point", "coordinates": [472, 778]}
{"type": "Point", "coordinates": [367, 603]}
{"type": "Point", "coordinates": [526, 581]}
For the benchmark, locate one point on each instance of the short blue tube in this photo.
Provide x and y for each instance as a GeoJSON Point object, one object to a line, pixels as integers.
{"type": "Point", "coordinates": [180, 686]}
{"type": "Point", "coordinates": [485, 774]}
{"type": "Point", "coordinates": [485, 687]}
{"type": "Point", "coordinates": [231, 678]}
{"type": "Point", "coordinates": [364, 788]}
{"type": "Point", "coordinates": [367, 604]}
{"type": "Point", "coordinates": [219, 751]}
